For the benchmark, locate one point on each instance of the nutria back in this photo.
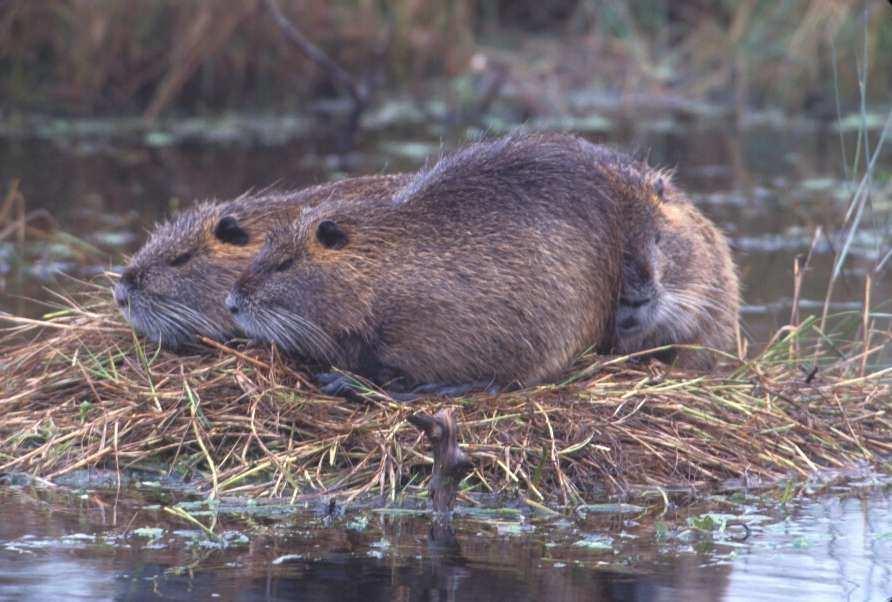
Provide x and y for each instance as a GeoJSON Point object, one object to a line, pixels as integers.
{"type": "Point", "coordinates": [501, 262]}
{"type": "Point", "coordinates": [172, 290]}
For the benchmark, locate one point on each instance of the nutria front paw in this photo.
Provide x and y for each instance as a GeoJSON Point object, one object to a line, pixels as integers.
{"type": "Point", "coordinates": [335, 384]}
{"type": "Point", "coordinates": [444, 390]}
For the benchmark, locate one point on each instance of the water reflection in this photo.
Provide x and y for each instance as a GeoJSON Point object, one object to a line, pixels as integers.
{"type": "Point", "coordinates": [837, 547]}
{"type": "Point", "coordinates": [768, 188]}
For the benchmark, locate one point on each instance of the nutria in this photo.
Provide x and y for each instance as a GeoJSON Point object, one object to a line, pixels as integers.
{"type": "Point", "coordinates": [679, 282]}
{"type": "Point", "coordinates": [498, 264]}
{"type": "Point", "coordinates": [172, 290]}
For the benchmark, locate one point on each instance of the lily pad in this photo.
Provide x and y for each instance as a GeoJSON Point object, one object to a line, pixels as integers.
{"type": "Point", "coordinates": [287, 558]}
{"type": "Point", "coordinates": [609, 509]}
{"type": "Point", "coordinates": [358, 524]}
{"type": "Point", "coordinates": [595, 542]}
{"type": "Point", "coordinates": [486, 514]}
{"type": "Point", "coordinates": [148, 532]}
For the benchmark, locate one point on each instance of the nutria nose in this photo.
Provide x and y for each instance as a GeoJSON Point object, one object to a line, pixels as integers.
{"type": "Point", "coordinates": [634, 302]}
{"type": "Point", "coordinates": [125, 286]}
{"type": "Point", "coordinates": [629, 323]}
{"type": "Point", "coordinates": [231, 303]}
{"type": "Point", "coordinates": [128, 278]}
{"type": "Point", "coordinates": [122, 294]}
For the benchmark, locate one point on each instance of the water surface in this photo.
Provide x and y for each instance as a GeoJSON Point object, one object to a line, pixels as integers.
{"type": "Point", "coordinates": [100, 544]}
{"type": "Point", "coordinates": [769, 187]}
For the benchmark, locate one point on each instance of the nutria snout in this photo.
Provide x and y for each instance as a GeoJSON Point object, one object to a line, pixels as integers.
{"type": "Point", "coordinates": [232, 303]}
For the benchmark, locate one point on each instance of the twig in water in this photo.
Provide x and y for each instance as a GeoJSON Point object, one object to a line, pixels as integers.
{"type": "Point", "coordinates": [451, 464]}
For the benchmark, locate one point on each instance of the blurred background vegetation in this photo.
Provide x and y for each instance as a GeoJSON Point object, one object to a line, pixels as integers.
{"type": "Point", "coordinates": [520, 57]}
{"type": "Point", "coordinates": [116, 113]}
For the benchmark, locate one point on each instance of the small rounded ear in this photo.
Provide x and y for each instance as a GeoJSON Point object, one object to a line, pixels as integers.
{"type": "Point", "coordinates": [330, 235]}
{"type": "Point", "coordinates": [229, 231]}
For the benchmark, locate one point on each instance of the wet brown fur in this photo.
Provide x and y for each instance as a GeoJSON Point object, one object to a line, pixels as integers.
{"type": "Point", "coordinates": [499, 263]}
{"type": "Point", "coordinates": [172, 304]}
{"type": "Point", "coordinates": [676, 256]}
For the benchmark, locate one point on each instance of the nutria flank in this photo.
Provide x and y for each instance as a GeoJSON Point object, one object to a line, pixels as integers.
{"type": "Point", "coordinates": [172, 290]}
{"type": "Point", "coordinates": [500, 263]}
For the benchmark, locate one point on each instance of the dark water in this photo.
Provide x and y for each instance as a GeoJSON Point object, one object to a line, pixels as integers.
{"type": "Point", "coordinates": [88, 544]}
{"type": "Point", "coordinates": [769, 187]}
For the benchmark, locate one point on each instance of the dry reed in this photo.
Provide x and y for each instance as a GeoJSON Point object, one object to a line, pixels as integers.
{"type": "Point", "coordinates": [159, 56]}
{"type": "Point", "coordinates": [80, 390]}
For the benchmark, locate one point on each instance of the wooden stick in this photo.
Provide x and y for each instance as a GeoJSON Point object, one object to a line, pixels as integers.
{"type": "Point", "coordinates": [451, 464]}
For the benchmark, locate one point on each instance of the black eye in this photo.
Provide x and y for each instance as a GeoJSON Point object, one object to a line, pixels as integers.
{"type": "Point", "coordinates": [284, 265]}
{"type": "Point", "coordinates": [181, 259]}
{"type": "Point", "coordinates": [657, 238]}
{"type": "Point", "coordinates": [229, 231]}
{"type": "Point", "coordinates": [331, 235]}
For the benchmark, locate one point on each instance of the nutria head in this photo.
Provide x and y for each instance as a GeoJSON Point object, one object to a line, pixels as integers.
{"type": "Point", "coordinates": [679, 283]}
{"type": "Point", "coordinates": [306, 287]}
{"type": "Point", "coordinates": [173, 288]}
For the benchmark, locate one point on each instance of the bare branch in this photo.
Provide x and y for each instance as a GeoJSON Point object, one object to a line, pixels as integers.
{"type": "Point", "coordinates": [451, 464]}
{"type": "Point", "coordinates": [357, 91]}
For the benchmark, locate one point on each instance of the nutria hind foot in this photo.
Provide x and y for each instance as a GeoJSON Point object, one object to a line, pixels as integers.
{"type": "Point", "coordinates": [336, 384]}
{"type": "Point", "coordinates": [444, 390]}
{"type": "Point", "coordinates": [341, 385]}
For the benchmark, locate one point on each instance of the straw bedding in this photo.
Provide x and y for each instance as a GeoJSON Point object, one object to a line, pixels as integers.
{"type": "Point", "coordinates": [80, 390]}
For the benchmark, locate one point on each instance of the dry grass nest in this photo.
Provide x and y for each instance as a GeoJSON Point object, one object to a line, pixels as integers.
{"type": "Point", "coordinates": [80, 390]}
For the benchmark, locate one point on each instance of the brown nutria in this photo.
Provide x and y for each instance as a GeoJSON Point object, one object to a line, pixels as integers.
{"type": "Point", "coordinates": [499, 264]}
{"type": "Point", "coordinates": [679, 285]}
{"type": "Point", "coordinates": [172, 290]}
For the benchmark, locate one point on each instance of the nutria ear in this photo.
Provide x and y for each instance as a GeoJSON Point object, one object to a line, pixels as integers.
{"type": "Point", "coordinates": [331, 235]}
{"type": "Point", "coordinates": [229, 231]}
